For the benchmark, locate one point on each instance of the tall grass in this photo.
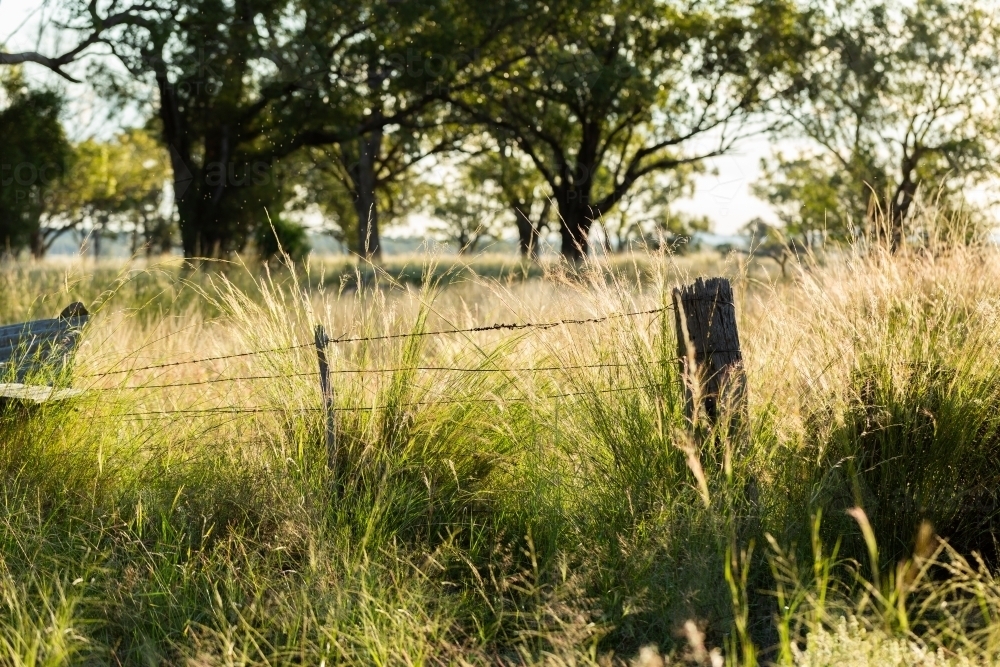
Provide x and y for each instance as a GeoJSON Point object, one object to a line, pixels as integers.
{"type": "Point", "coordinates": [522, 497]}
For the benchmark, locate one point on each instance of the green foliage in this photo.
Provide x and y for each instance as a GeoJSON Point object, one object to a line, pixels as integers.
{"type": "Point", "coordinates": [115, 187]}
{"type": "Point", "coordinates": [612, 93]}
{"type": "Point", "coordinates": [942, 422]}
{"type": "Point", "coordinates": [331, 182]}
{"type": "Point", "coordinates": [34, 157]}
{"type": "Point", "coordinates": [815, 199]}
{"type": "Point", "coordinates": [283, 237]}
{"type": "Point", "coordinates": [645, 219]}
{"type": "Point", "coordinates": [899, 99]}
{"type": "Point", "coordinates": [221, 115]}
{"type": "Point", "coordinates": [470, 214]}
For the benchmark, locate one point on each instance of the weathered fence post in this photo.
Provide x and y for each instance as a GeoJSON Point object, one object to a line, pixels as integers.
{"type": "Point", "coordinates": [708, 346]}
{"type": "Point", "coordinates": [326, 387]}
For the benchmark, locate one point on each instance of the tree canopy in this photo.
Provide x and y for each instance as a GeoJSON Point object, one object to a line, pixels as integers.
{"type": "Point", "coordinates": [622, 90]}
{"type": "Point", "coordinates": [34, 157]}
{"type": "Point", "coordinates": [562, 115]}
{"type": "Point", "coordinates": [896, 97]}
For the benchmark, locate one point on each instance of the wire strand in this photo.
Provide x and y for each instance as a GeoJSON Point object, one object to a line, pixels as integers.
{"type": "Point", "coordinates": [265, 409]}
{"type": "Point", "coordinates": [170, 364]}
{"type": "Point", "coordinates": [411, 334]}
{"type": "Point", "coordinates": [372, 371]}
{"type": "Point", "coordinates": [502, 327]}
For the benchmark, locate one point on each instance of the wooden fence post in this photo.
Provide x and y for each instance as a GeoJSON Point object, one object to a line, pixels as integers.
{"type": "Point", "coordinates": [326, 387]}
{"type": "Point", "coordinates": [708, 346]}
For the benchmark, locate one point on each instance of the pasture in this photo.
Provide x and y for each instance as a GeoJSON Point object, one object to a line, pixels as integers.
{"type": "Point", "coordinates": [530, 495]}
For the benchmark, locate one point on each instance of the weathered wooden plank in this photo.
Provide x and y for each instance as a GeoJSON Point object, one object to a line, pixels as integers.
{"type": "Point", "coordinates": [42, 330]}
{"type": "Point", "coordinates": [34, 347]}
{"type": "Point", "coordinates": [37, 327]}
{"type": "Point", "coordinates": [53, 335]}
{"type": "Point", "coordinates": [15, 337]}
{"type": "Point", "coordinates": [40, 348]}
{"type": "Point", "coordinates": [74, 315]}
{"type": "Point", "coordinates": [33, 393]}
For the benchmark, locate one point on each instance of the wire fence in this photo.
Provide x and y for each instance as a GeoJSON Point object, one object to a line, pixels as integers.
{"type": "Point", "coordinates": [540, 326]}
{"type": "Point", "coordinates": [274, 409]}
{"type": "Point", "coordinates": [345, 339]}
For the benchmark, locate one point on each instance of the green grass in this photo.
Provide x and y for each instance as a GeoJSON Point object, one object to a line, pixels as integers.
{"type": "Point", "coordinates": [543, 500]}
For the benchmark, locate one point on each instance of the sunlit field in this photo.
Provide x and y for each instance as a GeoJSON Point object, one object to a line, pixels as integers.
{"type": "Point", "coordinates": [528, 495]}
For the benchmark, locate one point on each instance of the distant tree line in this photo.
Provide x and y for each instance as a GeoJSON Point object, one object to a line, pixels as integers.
{"type": "Point", "coordinates": [542, 116]}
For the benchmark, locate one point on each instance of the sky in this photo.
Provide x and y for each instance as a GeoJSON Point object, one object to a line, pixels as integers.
{"type": "Point", "coordinates": [722, 193]}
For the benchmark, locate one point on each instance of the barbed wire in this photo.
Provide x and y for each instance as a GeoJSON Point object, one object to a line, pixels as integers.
{"type": "Point", "coordinates": [202, 360]}
{"type": "Point", "coordinates": [195, 383]}
{"type": "Point", "coordinates": [237, 411]}
{"type": "Point", "coordinates": [515, 326]}
{"type": "Point", "coordinates": [266, 409]}
{"type": "Point", "coordinates": [371, 371]}
{"type": "Point", "coordinates": [501, 327]}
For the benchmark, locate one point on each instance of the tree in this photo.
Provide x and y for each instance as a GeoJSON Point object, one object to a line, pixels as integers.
{"type": "Point", "coordinates": [815, 198]}
{"type": "Point", "coordinates": [227, 77]}
{"type": "Point", "coordinates": [768, 241]}
{"type": "Point", "coordinates": [242, 86]}
{"type": "Point", "coordinates": [389, 116]}
{"type": "Point", "coordinates": [646, 217]}
{"type": "Point", "coordinates": [337, 179]}
{"type": "Point", "coordinates": [518, 186]}
{"type": "Point", "coordinates": [470, 216]}
{"type": "Point", "coordinates": [114, 187]}
{"type": "Point", "coordinates": [618, 91]}
{"type": "Point", "coordinates": [93, 27]}
{"type": "Point", "coordinates": [34, 155]}
{"type": "Point", "coordinates": [901, 97]}
{"type": "Point", "coordinates": [282, 238]}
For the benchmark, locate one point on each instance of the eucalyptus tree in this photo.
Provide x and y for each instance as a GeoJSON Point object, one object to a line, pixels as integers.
{"type": "Point", "coordinates": [34, 156]}
{"type": "Point", "coordinates": [390, 114]}
{"type": "Point", "coordinates": [227, 79]}
{"type": "Point", "coordinates": [94, 25]}
{"type": "Point", "coordinates": [330, 179]}
{"type": "Point", "coordinates": [615, 91]}
{"type": "Point", "coordinates": [237, 90]}
{"type": "Point", "coordinates": [816, 197]}
{"type": "Point", "coordinates": [113, 188]}
{"type": "Point", "coordinates": [241, 87]}
{"type": "Point", "coordinates": [900, 96]}
{"type": "Point", "coordinates": [519, 187]}
{"type": "Point", "coordinates": [370, 180]}
{"type": "Point", "coordinates": [647, 217]}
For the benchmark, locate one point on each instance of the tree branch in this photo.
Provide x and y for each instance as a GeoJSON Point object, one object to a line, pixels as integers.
{"type": "Point", "coordinates": [100, 26]}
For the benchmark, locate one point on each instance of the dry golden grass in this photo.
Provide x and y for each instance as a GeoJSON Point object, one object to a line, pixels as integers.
{"type": "Point", "coordinates": [527, 496]}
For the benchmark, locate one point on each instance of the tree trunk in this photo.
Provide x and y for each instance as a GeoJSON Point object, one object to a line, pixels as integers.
{"type": "Point", "coordinates": [186, 193]}
{"type": "Point", "coordinates": [527, 231]}
{"type": "Point", "coordinates": [208, 227]}
{"type": "Point", "coordinates": [906, 193]}
{"type": "Point", "coordinates": [574, 230]}
{"type": "Point", "coordinates": [135, 240]}
{"type": "Point", "coordinates": [365, 203]}
{"type": "Point", "coordinates": [37, 244]}
{"type": "Point", "coordinates": [200, 187]}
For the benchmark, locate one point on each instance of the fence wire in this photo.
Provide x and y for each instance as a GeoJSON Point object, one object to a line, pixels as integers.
{"type": "Point", "coordinates": [371, 371]}
{"type": "Point", "coordinates": [235, 411]}
{"type": "Point", "coordinates": [540, 326]}
{"type": "Point", "coordinates": [272, 409]}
